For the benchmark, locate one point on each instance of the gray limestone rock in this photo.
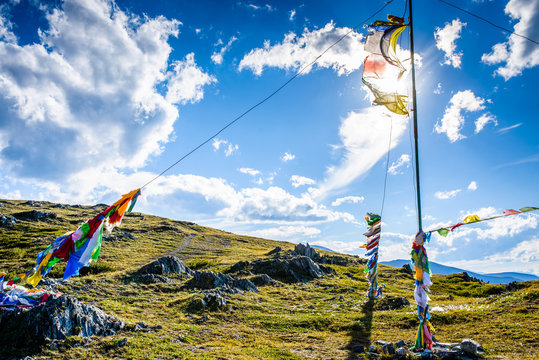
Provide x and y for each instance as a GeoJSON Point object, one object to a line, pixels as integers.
{"type": "Point", "coordinates": [59, 317]}
{"type": "Point", "coordinates": [166, 265]}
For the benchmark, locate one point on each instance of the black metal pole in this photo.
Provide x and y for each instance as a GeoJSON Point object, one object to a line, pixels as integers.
{"type": "Point", "coordinates": [414, 110]}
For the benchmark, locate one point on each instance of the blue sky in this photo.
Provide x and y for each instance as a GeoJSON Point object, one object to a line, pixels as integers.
{"type": "Point", "coordinates": [98, 97]}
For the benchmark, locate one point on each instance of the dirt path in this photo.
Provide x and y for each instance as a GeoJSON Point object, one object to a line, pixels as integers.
{"type": "Point", "coordinates": [186, 242]}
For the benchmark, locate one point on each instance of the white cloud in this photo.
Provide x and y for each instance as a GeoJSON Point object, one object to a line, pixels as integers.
{"type": "Point", "coordinates": [517, 53]}
{"type": "Point", "coordinates": [472, 186]}
{"type": "Point", "coordinates": [249, 171]}
{"type": "Point", "coordinates": [186, 81]}
{"type": "Point", "coordinates": [445, 41]}
{"type": "Point", "coordinates": [297, 181]}
{"type": "Point", "coordinates": [443, 195]}
{"type": "Point", "coordinates": [5, 28]}
{"type": "Point", "coordinates": [506, 129]}
{"type": "Point", "coordinates": [287, 157]}
{"type": "Point", "coordinates": [217, 56]}
{"type": "Point", "coordinates": [86, 95]}
{"type": "Point", "coordinates": [404, 159]}
{"type": "Point", "coordinates": [438, 89]}
{"type": "Point", "coordinates": [349, 199]}
{"type": "Point", "coordinates": [453, 121]}
{"type": "Point", "coordinates": [286, 232]}
{"type": "Point", "coordinates": [266, 7]}
{"type": "Point", "coordinates": [365, 139]}
{"type": "Point", "coordinates": [483, 120]}
{"type": "Point", "coordinates": [292, 15]}
{"type": "Point", "coordinates": [294, 52]}
{"type": "Point", "coordinates": [525, 251]}
{"type": "Point", "coordinates": [250, 205]}
{"type": "Point", "coordinates": [228, 147]}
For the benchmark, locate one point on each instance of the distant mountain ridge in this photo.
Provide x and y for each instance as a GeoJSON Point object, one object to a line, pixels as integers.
{"type": "Point", "coordinates": [496, 278]}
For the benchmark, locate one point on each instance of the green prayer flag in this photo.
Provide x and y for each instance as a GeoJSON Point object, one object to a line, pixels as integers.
{"type": "Point", "coordinates": [528, 208]}
{"type": "Point", "coordinates": [443, 232]}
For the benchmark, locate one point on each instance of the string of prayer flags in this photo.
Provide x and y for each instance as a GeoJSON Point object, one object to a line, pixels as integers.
{"type": "Point", "coordinates": [12, 295]}
{"type": "Point", "coordinates": [470, 219]}
{"type": "Point", "coordinates": [382, 68]}
{"type": "Point", "coordinates": [424, 339]}
{"type": "Point", "coordinates": [81, 247]}
{"type": "Point", "coordinates": [371, 246]}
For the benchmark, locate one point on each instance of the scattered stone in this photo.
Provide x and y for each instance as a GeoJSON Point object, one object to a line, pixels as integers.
{"type": "Point", "coordinates": [59, 317]}
{"type": "Point", "coordinates": [391, 303]}
{"type": "Point", "coordinates": [358, 348]}
{"type": "Point", "coordinates": [213, 300]}
{"type": "Point", "coordinates": [341, 298]}
{"type": "Point", "coordinates": [7, 221]}
{"type": "Point", "coordinates": [118, 236]}
{"type": "Point", "coordinates": [388, 349]}
{"type": "Point", "coordinates": [451, 297]}
{"type": "Point", "coordinates": [383, 342]}
{"type": "Point", "coordinates": [447, 355]}
{"type": "Point", "coordinates": [373, 349]}
{"type": "Point", "coordinates": [400, 344]}
{"type": "Point", "coordinates": [427, 354]}
{"type": "Point", "coordinates": [166, 265]}
{"type": "Point", "coordinates": [35, 215]}
{"type": "Point", "coordinates": [277, 250]}
{"type": "Point", "coordinates": [402, 352]}
{"type": "Point", "coordinates": [471, 347]}
{"type": "Point", "coordinates": [406, 269]}
{"type": "Point", "coordinates": [122, 342]}
{"type": "Point", "coordinates": [263, 279]}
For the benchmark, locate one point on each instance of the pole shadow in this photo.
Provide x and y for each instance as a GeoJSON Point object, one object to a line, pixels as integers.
{"type": "Point", "coordinates": [360, 332]}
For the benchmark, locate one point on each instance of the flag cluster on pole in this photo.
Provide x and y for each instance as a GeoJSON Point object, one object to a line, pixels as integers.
{"type": "Point", "coordinates": [371, 246]}
{"type": "Point", "coordinates": [382, 68]}
{"type": "Point", "coordinates": [420, 260]}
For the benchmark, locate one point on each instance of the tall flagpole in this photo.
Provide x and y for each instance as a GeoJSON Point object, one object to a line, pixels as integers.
{"type": "Point", "coordinates": [414, 110]}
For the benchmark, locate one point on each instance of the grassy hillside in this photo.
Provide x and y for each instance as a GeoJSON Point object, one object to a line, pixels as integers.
{"type": "Point", "coordinates": [320, 319]}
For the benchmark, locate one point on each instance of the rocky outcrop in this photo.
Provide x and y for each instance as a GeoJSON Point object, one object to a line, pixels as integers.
{"type": "Point", "coordinates": [154, 279]}
{"type": "Point", "coordinates": [7, 221]}
{"type": "Point", "coordinates": [263, 279]}
{"type": "Point", "coordinates": [205, 280]}
{"type": "Point", "coordinates": [164, 266]}
{"type": "Point", "coordinates": [35, 215]}
{"type": "Point", "coordinates": [293, 269]}
{"type": "Point", "coordinates": [59, 317]}
{"type": "Point", "coordinates": [215, 289]}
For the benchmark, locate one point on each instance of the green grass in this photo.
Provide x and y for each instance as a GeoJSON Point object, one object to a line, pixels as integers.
{"type": "Point", "coordinates": [292, 321]}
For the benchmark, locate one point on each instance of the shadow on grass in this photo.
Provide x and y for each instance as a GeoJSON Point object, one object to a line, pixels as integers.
{"type": "Point", "coordinates": [360, 333]}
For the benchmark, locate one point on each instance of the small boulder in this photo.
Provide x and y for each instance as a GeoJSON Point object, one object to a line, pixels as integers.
{"type": "Point", "coordinates": [406, 269]}
{"type": "Point", "coordinates": [388, 349]}
{"type": "Point", "coordinates": [391, 303]}
{"type": "Point", "coordinates": [277, 250]}
{"type": "Point", "coordinates": [358, 348]}
{"type": "Point", "coordinates": [471, 347]}
{"type": "Point", "coordinates": [206, 280]}
{"type": "Point", "coordinates": [400, 344]}
{"type": "Point", "coordinates": [35, 215]}
{"type": "Point", "coordinates": [7, 221]}
{"type": "Point", "coordinates": [166, 265]}
{"type": "Point", "coordinates": [402, 352]}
